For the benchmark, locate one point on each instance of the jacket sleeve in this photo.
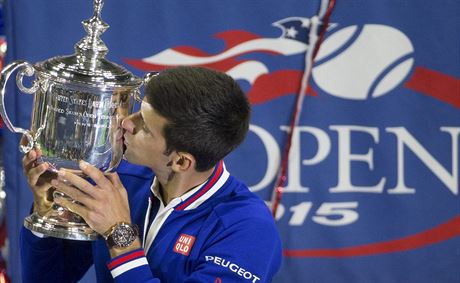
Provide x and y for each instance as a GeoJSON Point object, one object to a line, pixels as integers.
{"type": "Point", "coordinates": [249, 251]}
{"type": "Point", "coordinates": [53, 260]}
{"type": "Point", "coordinates": [131, 267]}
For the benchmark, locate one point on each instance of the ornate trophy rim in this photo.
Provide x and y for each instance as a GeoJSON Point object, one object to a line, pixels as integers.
{"type": "Point", "coordinates": [55, 70]}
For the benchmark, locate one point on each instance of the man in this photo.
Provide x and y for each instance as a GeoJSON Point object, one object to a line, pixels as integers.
{"type": "Point", "coordinates": [196, 222]}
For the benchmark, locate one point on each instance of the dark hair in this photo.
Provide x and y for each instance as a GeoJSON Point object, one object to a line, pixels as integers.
{"type": "Point", "coordinates": [207, 112]}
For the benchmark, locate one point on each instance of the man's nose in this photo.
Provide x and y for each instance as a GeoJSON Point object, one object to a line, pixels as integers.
{"type": "Point", "coordinates": [128, 124]}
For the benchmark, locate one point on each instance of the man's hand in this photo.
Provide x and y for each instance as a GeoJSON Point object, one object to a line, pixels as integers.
{"type": "Point", "coordinates": [101, 205]}
{"type": "Point", "coordinates": [39, 180]}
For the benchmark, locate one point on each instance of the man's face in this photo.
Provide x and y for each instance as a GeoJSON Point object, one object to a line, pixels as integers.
{"type": "Point", "coordinates": [144, 140]}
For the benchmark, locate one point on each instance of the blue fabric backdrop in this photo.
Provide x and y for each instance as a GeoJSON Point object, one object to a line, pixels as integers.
{"type": "Point", "coordinates": [372, 193]}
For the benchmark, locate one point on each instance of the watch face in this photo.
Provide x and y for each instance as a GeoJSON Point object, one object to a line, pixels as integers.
{"type": "Point", "coordinates": [123, 235]}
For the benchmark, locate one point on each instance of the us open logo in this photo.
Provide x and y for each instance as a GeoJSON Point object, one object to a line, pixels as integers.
{"type": "Point", "coordinates": [365, 69]}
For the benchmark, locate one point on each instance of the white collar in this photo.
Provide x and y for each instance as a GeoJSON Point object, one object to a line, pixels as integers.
{"type": "Point", "coordinates": [193, 198]}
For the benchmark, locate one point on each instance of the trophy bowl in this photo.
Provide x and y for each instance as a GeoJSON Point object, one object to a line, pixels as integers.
{"type": "Point", "coordinates": [79, 102]}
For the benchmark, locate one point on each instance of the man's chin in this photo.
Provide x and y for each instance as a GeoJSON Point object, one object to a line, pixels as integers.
{"type": "Point", "coordinates": [125, 148]}
{"type": "Point", "coordinates": [126, 156]}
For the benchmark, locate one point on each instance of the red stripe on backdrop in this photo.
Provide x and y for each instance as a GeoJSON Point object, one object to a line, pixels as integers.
{"type": "Point", "coordinates": [436, 84]}
{"type": "Point", "coordinates": [280, 83]}
{"type": "Point", "coordinates": [442, 232]}
{"type": "Point", "coordinates": [192, 51]}
{"type": "Point", "coordinates": [222, 65]}
{"type": "Point", "coordinates": [233, 38]}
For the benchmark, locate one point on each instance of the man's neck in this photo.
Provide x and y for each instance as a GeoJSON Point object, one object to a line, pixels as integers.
{"type": "Point", "coordinates": [181, 183]}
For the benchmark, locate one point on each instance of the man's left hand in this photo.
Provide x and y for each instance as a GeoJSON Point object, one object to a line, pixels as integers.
{"type": "Point", "coordinates": [101, 205]}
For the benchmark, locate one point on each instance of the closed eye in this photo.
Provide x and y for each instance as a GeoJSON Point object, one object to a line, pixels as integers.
{"type": "Point", "coordinates": [144, 126]}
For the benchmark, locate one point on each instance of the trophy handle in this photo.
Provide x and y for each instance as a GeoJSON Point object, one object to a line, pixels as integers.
{"type": "Point", "coordinates": [28, 70]}
{"type": "Point", "coordinates": [145, 79]}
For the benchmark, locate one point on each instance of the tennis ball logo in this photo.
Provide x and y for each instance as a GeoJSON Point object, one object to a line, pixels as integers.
{"type": "Point", "coordinates": [363, 63]}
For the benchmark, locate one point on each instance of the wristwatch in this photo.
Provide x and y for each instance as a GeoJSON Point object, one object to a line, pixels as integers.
{"type": "Point", "coordinates": [121, 235]}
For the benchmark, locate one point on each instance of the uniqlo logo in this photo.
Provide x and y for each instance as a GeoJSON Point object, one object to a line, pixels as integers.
{"type": "Point", "coordinates": [184, 244]}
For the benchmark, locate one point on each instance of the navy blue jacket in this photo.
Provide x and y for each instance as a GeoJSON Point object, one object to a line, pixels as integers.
{"type": "Point", "coordinates": [219, 232]}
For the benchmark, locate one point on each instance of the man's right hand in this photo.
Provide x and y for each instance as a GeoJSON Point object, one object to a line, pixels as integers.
{"type": "Point", "coordinates": [39, 180]}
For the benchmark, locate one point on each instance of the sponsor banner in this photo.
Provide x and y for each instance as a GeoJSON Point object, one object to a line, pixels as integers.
{"type": "Point", "coordinates": [372, 192]}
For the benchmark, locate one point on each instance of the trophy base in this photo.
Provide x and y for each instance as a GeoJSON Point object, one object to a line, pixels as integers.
{"type": "Point", "coordinates": [61, 223]}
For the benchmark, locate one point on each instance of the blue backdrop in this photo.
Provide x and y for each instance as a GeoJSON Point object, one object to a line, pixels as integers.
{"type": "Point", "coordinates": [373, 180]}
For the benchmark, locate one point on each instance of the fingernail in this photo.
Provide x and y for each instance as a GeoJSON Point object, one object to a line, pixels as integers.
{"type": "Point", "coordinates": [54, 182]}
{"type": "Point", "coordinates": [61, 173]}
{"type": "Point", "coordinates": [83, 164]}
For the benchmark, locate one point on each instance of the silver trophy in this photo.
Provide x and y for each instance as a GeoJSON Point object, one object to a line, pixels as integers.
{"type": "Point", "coordinates": [78, 105]}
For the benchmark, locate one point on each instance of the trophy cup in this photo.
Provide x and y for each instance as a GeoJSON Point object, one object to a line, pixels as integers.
{"type": "Point", "coordinates": [78, 104]}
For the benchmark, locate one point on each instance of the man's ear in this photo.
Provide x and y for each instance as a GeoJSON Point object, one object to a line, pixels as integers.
{"type": "Point", "coordinates": [183, 161]}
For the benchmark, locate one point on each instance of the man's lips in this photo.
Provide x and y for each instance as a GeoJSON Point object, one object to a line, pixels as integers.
{"type": "Point", "coordinates": [120, 139]}
{"type": "Point", "coordinates": [125, 143]}
{"type": "Point", "coordinates": [125, 139]}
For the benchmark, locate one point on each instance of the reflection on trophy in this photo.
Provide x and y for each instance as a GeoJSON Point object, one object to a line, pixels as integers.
{"type": "Point", "coordinates": [78, 105]}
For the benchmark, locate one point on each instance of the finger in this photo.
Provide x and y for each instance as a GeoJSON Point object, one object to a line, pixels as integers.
{"type": "Point", "coordinates": [115, 180]}
{"type": "Point", "coordinates": [38, 151]}
{"type": "Point", "coordinates": [35, 173]}
{"type": "Point", "coordinates": [77, 181]}
{"type": "Point", "coordinates": [96, 175]}
{"type": "Point", "coordinates": [74, 193]}
{"type": "Point", "coordinates": [29, 159]}
{"type": "Point", "coordinates": [74, 207]}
